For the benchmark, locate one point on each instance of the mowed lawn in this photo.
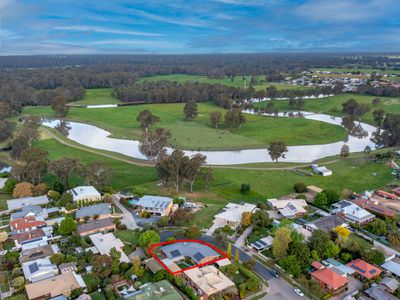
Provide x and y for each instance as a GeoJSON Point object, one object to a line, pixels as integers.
{"type": "Point", "coordinates": [257, 132]}
{"type": "Point", "coordinates": [333, 105]}
{"type": "Point", "coordinates": [236, 81]}
{"type": "Point", "coordinates": [97, 97]}
{"type": "Point", "coordinates": [125, 175]}
{"type": "Point", "coordinates": [354, 173]}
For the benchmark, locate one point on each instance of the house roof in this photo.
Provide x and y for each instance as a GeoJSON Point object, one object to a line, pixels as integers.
{"type": "Point", "coordinates": [54, 286]}
{"type": "Point", "coordinates": [328, 223]}
{"type": "Point", "coordinates": [392, 266]}
{"type": "Point", "coordinates": [35, 253]}
{"type": "Point", "coordinates": [92, 210]}
{"type": "Point", "coordinates": [26, 223]}
{"type": "Point", "coordinates": [329, 277]}
{"type": "Point", "coordinates": [317, 265]}
{"type": "Point", "coordinates": [105, 242]}
{"type": "Point", "coordinates": [28, 235]}
{"type": "Point", "coordinates": [153, 265]}
{"type": "Point", "coordinates": [351, 210]}
{"type": "Point", "coordinates": [154, 202]}
{"type": "Point", "coordinates": [391, 283]}
{"type": "Point", "coordinates": [15, 204]}
{"type": "Point", "coordinates": [378, 293]}
{"type": "Point", "coordinates": [378, 209]}
{"type": "Point", "coordinates": [209, 279]}
{"type": "Point", "coordinates": [364, 269]}
{"type": "Point", "coordinates": [162, 290]}
{"type": "Point", "coordinates": [233, 212]}
{"type": "Point", "coordinates": [196, 251]}
{"type": "Point", "coordinates": [41, 268]}
{"type": "Point", "coordinates": [262, 243]}
{"type": "Point", "coordinates": [36, 209]}
{"type": "Point", "coordinates": [95, 225]}
{"type": "Point", "coordinates": [83, 192]}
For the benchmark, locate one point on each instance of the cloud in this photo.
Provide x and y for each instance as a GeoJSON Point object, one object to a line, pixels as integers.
{"type": "Point", "coordinates": [192, 22]}
{"type": "Point", "coordinates": [344, 10]}
{"type": "Point", "coordinates": [4, 3]}
{"type": "Point", "coordinates": [104, 30]}
{"type": "Point", "coordinates": [142, 43]}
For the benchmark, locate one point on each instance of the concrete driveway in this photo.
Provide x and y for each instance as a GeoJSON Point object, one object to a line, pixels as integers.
{"type": "Point", "coordinates": [127, 218]}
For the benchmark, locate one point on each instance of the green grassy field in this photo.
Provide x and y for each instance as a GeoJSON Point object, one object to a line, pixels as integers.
{"type": "Point", "coordinates": [97, 96]}
{"type": "Point", "coordinates": [128, 236]}
{"type": "Point", "coordinates": [257, 132]}
{"type": "Point", "coordinates": [125, 175]}
{"type": "Point", "coordinates": [353, 173]}
{"type": "Point", "coordinates": [237, 81]}
{"type": "Point", "coordinates": [333, 105]}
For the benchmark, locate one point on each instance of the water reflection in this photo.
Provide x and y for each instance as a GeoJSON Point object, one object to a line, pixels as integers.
{"type": "Point", "coordinates": [358, 139]}
{"type": "Point", "coordinates": [63, 127]}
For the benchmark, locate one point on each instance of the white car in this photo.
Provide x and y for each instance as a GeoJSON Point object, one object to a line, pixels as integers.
{"type": "Point", "coordinates": [299, 292]}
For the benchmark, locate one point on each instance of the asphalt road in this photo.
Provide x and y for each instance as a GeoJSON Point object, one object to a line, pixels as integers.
{"type": "Point", "coordinates": [279, 289]}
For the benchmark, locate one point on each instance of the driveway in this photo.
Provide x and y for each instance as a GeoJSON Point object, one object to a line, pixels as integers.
{"type": "Point", "coordinates": [127, 218]}
{"type": "Point", "coordinates": [354, 285]}
{"type": "Point", "coordinates": [241, 241]}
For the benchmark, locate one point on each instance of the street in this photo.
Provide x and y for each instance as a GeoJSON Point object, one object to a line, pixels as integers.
{"type": "Point", "coordinates": [278, 289]}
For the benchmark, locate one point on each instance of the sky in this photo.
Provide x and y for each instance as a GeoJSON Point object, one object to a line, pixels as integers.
{"type": "Point", "coordinates": [197, 26]}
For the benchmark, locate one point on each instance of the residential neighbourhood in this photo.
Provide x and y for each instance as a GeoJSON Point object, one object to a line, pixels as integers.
{"type": "Point", "coordinates": [52, 264]}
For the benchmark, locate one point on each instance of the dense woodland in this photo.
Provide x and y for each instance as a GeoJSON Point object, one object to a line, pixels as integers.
{"type": "Point", "coordinates": [37, 80]}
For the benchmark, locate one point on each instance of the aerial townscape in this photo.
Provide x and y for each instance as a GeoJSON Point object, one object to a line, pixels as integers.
{"type": "Point", "coordinates": [199, 150]}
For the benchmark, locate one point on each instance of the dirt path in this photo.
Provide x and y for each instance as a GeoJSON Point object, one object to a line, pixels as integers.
{"type": "Point", "coordinates": [149, 164]}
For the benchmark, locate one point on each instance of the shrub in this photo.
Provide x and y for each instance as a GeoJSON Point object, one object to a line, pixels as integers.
{"type": "Point", "coordinates": [54, 195]}
{"type": "Point", "coordinates": [300, 187]}
{"type": "Point", "coordinates": [245, 189]}
{"type": "Point", "coordinates": [144, 214]}
{"type": "Point", "coordinates": [40, 189]}
{"type": "Point", "coordinates": [9, 185]}
{"type": "Point", "coordinates": [23, 189]}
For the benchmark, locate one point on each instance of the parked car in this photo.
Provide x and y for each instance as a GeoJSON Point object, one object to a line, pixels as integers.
{"type": "Point", "coordinates": [274, 273]}
{"type": "Point", "coordinates": [299, 292]}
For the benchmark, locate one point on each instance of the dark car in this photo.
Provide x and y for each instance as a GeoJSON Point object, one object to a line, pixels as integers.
{"type": "Point", "coordinates": [274, 273]}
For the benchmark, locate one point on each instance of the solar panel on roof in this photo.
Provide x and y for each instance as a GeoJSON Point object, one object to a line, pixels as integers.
{"type": "Point", "coordinates": [358, 268]}
{"type": "Point", "coordinates": [33, 268]}
{"type": "Point", "coordinates": [198, 256]}
{"type": "Point", "coordinates": [37, 254]}
{"type": "Point", "coordinates": [372, 271]}
{"type": "Point", "coordinates": [175, 253]}
{"type": "Point", "coordinates": [262, 243]}
{"type": "Point", "coordinates": [74, 192]}
{"type": "Point", "coordinates": [257, 244]}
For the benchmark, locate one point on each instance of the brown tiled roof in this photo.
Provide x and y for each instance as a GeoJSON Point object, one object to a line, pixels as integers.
{"type": "Point", "coordinates": [24, 236]}
{"type": "Point", "coordinates": [35, 253]}
{"type": "Point", "coordinates": [378, 209]}
{"type": "Point", "coordinates": [95, 225]}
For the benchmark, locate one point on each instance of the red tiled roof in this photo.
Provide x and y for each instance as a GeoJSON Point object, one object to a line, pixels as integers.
{"type": "Point", "coordinates": [386, 194]}
{"type": "Point", "coordinates": [329, 277]}
{"type": "Point", "coordinates": [375, 208]}
{"type": "Point", "coordinates": [26, 223]}
{"type": "Point", "coordinates": [24, 236]}
{"type": "Point", "coordinates": [317, 265]}
{"type": "Point", "coordinates": [364, 269]}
